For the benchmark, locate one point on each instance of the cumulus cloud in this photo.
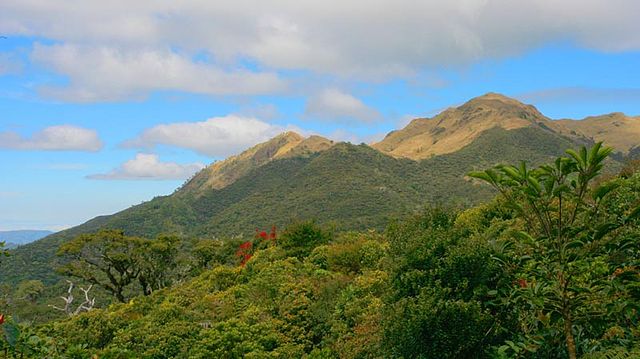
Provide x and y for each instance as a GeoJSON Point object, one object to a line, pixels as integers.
{"type": "Point", "coordinates": [361, 38]}
{"type": "Point", "coordinates": [149, 167]}
{"type": "Point", "coordinates": [216, 137]}
{"type": "Point", "coordinates": [333, 104]}
{"type": "Point", "coordinates": [54, 138]}
{"type": "Point", "coordinates": [108, 74]}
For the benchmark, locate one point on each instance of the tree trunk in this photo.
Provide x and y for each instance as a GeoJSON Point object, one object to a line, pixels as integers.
{"type": "Point", "coordinates": [568, 334]}
{"type": "Point", "coordinates": [119, 296]}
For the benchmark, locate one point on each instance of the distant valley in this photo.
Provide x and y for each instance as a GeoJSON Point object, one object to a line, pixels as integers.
{"type": "Point", "coordinates": [17, 238]}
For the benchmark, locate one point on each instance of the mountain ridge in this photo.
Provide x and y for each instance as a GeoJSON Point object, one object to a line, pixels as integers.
{"type": "Point", "coordinates": [616, 129]}
{"type": "Point", "coordinates": [457, 127]}
{"type": "Point", "coordinates": [222, 173]}
{"type": "Point", "coordinates": [291, 177]}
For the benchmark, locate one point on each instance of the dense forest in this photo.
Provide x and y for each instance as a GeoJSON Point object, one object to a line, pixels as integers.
{"type": "Point", "coordinates": [546, 269]}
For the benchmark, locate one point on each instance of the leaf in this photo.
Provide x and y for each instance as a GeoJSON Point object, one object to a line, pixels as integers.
{"type": "Point", "coordinates": [633, 215]}
{"type": "Point", "coordinates": [512, 173]}
{"type": "Point", "coordinates": [574, 244]}
{"type": "Point", "coordinates": [482, 175]}
{"type": "Point", "coordinates": [603, 230]}
{"type": "Point", "coordinates": [604, 189]}
{"type": "Point", "coordinates": [577, 158]}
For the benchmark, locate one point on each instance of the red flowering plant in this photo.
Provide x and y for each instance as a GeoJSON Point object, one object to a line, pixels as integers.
{"type": "Point", "coordinates": [245, 252]}
{"type": "Point", "coordinates": [261, 240]}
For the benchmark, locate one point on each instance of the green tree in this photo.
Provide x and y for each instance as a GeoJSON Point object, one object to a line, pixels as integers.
{"type": "Point", "coordinates": [3, 252]}
{"type": "Point", "coordinates": [157, 260]}
{"type": "Point", "coordinates": [30, 290]}
{"type": "Point", "coordinates": [300, 238]}
{"type": "Point", "coordinates": [441, 281]}
{"type": "Point", "coordinates": [114, 261]}
{"type": "Point", "coordinates": [561, 253]}
{"type": "Point", "coordinates": [107, 258]}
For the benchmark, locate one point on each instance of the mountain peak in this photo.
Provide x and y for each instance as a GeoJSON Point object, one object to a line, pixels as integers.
{"type": "Point", "coordinates": [499, 101]}
{"type": "Point", "coordinates": [493, 96]}
{"type": "Point", "coordinates": [290, 136]}
{"type": "Point", "coordinates": [457, 127]}
{"type": "Point", "coordinates": [222, 173]}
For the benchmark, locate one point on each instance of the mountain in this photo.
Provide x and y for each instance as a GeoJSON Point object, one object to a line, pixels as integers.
{"type": "Point", "coordinates": [351, 186]}
{"type": "Point", "coordinates": [223, 173]}
{"type": "Point", "coordinates": [13, 239]}
{"type": "Point", "coordinates": [458, 127]}
{"type": "Point", "coordinates": [616, 129]}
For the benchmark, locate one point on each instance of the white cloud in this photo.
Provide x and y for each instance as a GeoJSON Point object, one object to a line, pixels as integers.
{"type": "Point", "coordinates": [333, 104]}
{"type": "Point", "coordinates": [216, 137]}
{"type": "Point", "coordinates": [54, 138]}
{"type": "Point", "coordinates": [371, 39]}
{"type": "Point", "coordinates": [149, 167]}
{"type": "Point", "coordinates": [108, 74]}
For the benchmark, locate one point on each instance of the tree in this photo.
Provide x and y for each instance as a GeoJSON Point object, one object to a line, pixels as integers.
{"type": "Point", "coordinates": [3, 252]}
{"type": "Point", "coordinates": [86, 305]}
{"type": "Point", "coordinates": [441, 274]}
{"type": "Point", "coordinates": [114, 261]}
{"type": "Point", "coordinates": [300, 238]}
{"type": "Point", "coordinates": [107, 258]}
{"type": "Point", "coordinates": [157, 259]}
{"type": "Point", "coordinates": [561, 254]}
{"type": "Point", "coordinates": [30, 290]}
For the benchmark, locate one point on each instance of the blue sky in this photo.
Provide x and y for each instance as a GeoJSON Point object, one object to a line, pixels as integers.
{"type": "Point", "coordinates": [105, 105]}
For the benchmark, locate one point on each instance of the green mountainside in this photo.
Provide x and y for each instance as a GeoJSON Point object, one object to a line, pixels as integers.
{"type": "Point", "coordinates": [483, 282]}
{"type": "Point", "coordinates": [349, 186]}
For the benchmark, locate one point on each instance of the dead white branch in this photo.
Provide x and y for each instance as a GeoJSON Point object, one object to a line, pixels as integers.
{"type": "Point", "coordinates": [87, 305]}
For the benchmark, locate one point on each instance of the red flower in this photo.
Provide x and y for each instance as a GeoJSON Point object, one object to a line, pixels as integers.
{"type": "Point", "coordinates": [272, 235]}
{"type": "Point", "coordinates": [246, 245]}
{"type": "Point", "coordinates": [1, 319]}
{"type": "Point", "coordinates": [522, 283]}
{"type": "Point", "coordinates": [245, 259]}
{"type": "Point", "coordinates": [244, 252]}
{"type": "Point", "coordinates": [263, 235]}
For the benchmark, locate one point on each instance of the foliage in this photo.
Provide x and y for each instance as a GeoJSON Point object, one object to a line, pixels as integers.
{"type": "Point", "coordinates": [114, 261]}
{"type": "Point", "coordinates": [299, 239]}
{"type": "Point", "coordinates": [30, 290]}
{"type": "Point", "coordinates": [483, 282]}
{"type": "Point", "coordinates": [352, 187]}
{"type": "Point", "coordinates": [442, 285]}
{"type": "Point", "coordinates": [569, 282]}
{"type": "Point", "coordinates": [3, 252]}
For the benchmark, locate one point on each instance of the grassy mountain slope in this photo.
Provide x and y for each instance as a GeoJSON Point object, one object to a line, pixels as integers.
{"type": "Point", "coordinates": [354, 187]}
{"type": "Point", "coordinates": [457, 127]}
{"type": "Point", "coordinates": [616, 129]}
{"type": "Point", "coordinates": [221, 174]}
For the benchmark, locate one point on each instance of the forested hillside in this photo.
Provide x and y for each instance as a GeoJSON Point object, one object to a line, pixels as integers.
{"type": "Point", "coordinates": [352, 187]}
{"type": "Point", "coordinates": [309, 248]}
{"type": "Point", "coordinates": [549, 268]}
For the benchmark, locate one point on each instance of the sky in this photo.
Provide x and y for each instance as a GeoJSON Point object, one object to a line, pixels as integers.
{"type": "Point", "coordinates": [106, 104]}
